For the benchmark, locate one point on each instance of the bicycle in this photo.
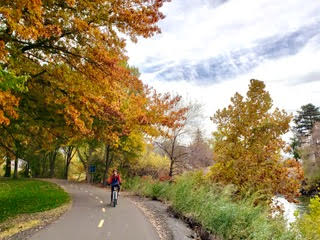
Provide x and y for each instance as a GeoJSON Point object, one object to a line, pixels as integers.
{"type": "Point", "coordinates": [115, 196]}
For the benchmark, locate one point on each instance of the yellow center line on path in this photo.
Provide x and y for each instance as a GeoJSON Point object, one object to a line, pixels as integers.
{"type": "Point", "coordinates": [101, 223]}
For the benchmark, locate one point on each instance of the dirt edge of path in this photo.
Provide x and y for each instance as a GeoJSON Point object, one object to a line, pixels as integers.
{"type": "Point", "coordinates": [165, 232]}
{"type": "Point", "coordinates": [25, 225]}
{"type": "Point", "coordinates": [153, 215]}
{"type": "Point", "coordinates": [193, 224]}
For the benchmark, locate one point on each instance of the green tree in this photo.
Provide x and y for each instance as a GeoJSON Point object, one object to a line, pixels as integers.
{"type": "Point", "coordinates": [305, 119]}
{"type": "Point", "coordinates": [294, 144]}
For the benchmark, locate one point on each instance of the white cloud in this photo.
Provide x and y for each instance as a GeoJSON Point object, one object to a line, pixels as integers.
{"type": "Point", "coordinates": [196, 30]}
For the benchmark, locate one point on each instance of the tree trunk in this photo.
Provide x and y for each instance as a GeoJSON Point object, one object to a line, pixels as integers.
{"type": "Point", "coordinates": [53, 156]}
{"type": "Point", "coordinates": [42, 166]}
{"type": "Point", "coordinates": [36, 171]}
{"type": "Point", "coordinates": [85, 164]}
{"type": "Point", "coordinates": [106, 160]}
{"type": "Point", "coordinates": [15, 173]}
{"type": "Point", "coordinates": [171, 167]}
{"type": "Point", "coordinates": [8, 168]}
{"type": "Point", "coordinates": [26, 172]}
{"type": "Point", "coordinates": [68, 155]}
{"type": "Point", "coordinates": [66, 173]}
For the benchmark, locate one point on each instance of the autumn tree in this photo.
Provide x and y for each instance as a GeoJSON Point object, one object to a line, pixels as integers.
{"type": "Point", "coordinates": [200, 154]}
{"type": "Point", "coordinates": [151, 163]}
{"type": "Point", "coordinates": [172, 142]}
{"type": "Point", "coordinates": [85, 153]}
{"type": "Point", "coordinates": [248, 145]}
{"type": "Point", "coordinates": [74, 55]}
{"type": "Point", "coordinates": [10, 84]}
{"type": "Point", "coordinates": [79, 85]}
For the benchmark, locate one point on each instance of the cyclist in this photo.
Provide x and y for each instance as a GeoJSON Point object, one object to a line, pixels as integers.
{"type": "Point", "coordinates": [114, 181]}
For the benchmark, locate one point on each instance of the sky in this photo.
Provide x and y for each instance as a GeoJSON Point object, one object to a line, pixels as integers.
{"type": "Point", "coordinates": [210, 49]}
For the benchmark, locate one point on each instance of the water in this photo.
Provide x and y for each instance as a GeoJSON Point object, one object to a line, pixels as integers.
{"type": "Point", "coordinates": [302, 206]}
{"type": "Point", "coordinates": [291, 208]}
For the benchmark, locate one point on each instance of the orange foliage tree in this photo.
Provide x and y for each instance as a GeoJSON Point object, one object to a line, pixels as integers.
{"type": "Point", "coordinates": [79, 84]}
{"type": "Point", "coordinates": [248, 146]}
{"type": "Point", "coordinates": [74, 54]}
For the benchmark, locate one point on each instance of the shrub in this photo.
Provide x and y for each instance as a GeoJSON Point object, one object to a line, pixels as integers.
{"type": "Point", "coordinates": [152, 164]}
{"type": "Point", "coordinates": [309, 223]}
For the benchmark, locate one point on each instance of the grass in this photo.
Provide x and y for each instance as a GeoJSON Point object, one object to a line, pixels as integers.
{"type": "Point", "coordinates": [29, 196]}
{"type": "Point", "coordinates": [215, 208]}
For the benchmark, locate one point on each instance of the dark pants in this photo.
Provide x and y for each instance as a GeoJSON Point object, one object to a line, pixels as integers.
{"type": "Point", "coordinates": [112, 189]}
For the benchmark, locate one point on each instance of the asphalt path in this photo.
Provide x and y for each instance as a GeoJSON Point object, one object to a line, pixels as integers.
{"type": "Point", "coordinates": [92, 217]}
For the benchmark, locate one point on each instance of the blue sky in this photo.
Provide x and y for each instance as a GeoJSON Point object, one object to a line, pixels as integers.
{"type": "Point", "coordinates": [209, 49]}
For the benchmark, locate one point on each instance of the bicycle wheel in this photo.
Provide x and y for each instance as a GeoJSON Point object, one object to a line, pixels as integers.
{"type": "Point", "coordinates": [115, 197]}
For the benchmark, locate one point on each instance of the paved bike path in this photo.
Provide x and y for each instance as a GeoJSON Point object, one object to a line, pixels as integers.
{"type": "Point", "coordinates": [91, 217]}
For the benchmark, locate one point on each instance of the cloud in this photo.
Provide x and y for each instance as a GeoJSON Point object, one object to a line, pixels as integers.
{"type": "Point", "coordinates": [308, 78]}
{"type": "Point", "coordinates": [210, 49]}
{"type": "Point", "coordinates": [235, 62]}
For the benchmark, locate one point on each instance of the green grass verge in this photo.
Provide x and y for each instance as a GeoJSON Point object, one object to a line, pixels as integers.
{"type": "Point", "coordinates": [29, 196]}
{"type": "Point", "coordinates": [215, 208]}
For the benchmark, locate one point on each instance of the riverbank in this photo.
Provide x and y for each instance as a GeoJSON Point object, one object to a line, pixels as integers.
{"type": "Point", "coordinates": [214, 208]}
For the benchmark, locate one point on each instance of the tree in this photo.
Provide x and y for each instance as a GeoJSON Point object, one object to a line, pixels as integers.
{"type": "Point", "coordinates": [171, 141]}
{"type": "Point", "coordinates": [295, 144]}
{"type": "Point", "coordinates": [8, 167]}
{"type": "Point", "coordinates": [69, 152]}
{"type": "Point", "coordinates": [9, 83]}
{"type": "Point", "coordinates": [200, 153]}
{"type": "Point", "coordinates": [315, 142]}
{"type": "Point", "coordinates": [74, 55]}
{"type": "Point", "coordinates": [248, 145]}
{"type": "Point", "coordinates": [85, 154]}
{"type": "Point", "coordinates": [78, 79]}
{"type": "Point", "coordinates": [150, 163]}
{"type": "Point", "coordinates": [304, 121]}
{"type": "Point", "coordinates": [310, 156]}
{"type": "Point", "coordinates": [306, 144]}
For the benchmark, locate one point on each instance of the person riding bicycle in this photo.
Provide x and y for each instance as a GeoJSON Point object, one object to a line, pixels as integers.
{"type": "Point", "coordinates": [114, 181]}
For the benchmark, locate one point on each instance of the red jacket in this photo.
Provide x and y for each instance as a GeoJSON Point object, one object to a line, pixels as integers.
{"type": "Point", "coordinates": [114, 179]}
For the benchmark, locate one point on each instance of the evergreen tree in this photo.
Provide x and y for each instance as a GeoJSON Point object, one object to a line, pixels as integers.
{"type": "Point", "coordinates": [295, 147]}
{"type": "Point", "coordinates": [304, 121]}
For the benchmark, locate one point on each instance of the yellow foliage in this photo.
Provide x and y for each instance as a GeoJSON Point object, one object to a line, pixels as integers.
{"type": "Point", "coordinates": [152, 163]}
{"type": "Point", "coordinates": [309, 224]}
{"type": "Point", "coordinates": [154, 160]}
{"type": "Point", "coordinates": [248, 145]}
{"type": "Point", "coordinates": [8, 103]}
{"type": "Point", "coordinates": [77, 172]}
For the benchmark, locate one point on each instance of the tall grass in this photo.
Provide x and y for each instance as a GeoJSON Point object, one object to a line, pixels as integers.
{"type": "Point", "coordinates": [309, 222]}
{"type": "Point", "coordinates": [214, 207]}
